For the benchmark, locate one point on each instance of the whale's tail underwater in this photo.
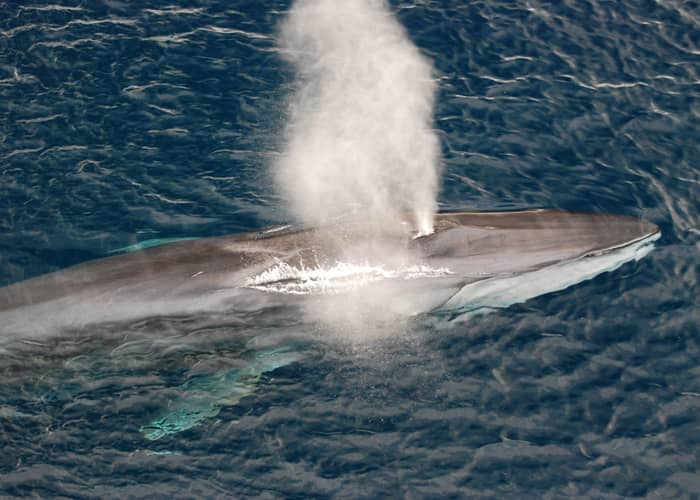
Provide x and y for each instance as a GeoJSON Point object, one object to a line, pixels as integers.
{"type": "Point", "coordinates": [472, 262]}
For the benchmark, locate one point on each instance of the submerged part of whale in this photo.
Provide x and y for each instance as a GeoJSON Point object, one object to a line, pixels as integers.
{"type": "Point", "coordinates": [472, 260]}
{"type": "Point", "coordinates": [204, 397]}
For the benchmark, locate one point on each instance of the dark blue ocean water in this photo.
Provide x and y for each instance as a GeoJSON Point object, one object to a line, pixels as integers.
{"type": "Point", "coordinates": [122, 122]}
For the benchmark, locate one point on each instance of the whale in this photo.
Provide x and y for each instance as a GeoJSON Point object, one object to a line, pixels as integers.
{"type": "Point", "coordinates": [472, 261]}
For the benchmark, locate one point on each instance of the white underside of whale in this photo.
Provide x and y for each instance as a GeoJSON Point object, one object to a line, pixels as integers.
{"type": "Point", "coordinates": [504, 291]}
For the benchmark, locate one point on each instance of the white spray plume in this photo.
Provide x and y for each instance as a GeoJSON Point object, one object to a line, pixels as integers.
{"type": "Point", "coordinates": [360, 138]}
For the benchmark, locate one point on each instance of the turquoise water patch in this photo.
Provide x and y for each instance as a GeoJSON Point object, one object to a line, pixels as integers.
{"type": "Point", "coordinates": [203, 397]}
{"type": "Point", "coordinates": [149, 244]}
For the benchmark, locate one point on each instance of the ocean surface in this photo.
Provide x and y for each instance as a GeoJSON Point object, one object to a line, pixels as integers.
{"type": "Point", "coordinates": [126, 122]}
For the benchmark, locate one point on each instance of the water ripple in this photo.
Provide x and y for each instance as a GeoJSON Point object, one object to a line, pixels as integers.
{"type": "Point", "coordinates": [123, 123]}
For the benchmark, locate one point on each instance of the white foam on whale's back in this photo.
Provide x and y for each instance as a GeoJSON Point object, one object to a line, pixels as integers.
{"type": "Point", "coordinates": [342, 276]}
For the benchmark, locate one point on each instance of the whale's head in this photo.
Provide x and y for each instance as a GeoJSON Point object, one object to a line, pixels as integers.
{"type": "Point", "coordinates": [485, 244]}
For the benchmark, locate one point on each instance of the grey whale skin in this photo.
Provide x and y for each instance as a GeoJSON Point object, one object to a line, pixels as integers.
{"type": "Point", "coordinates": [489, 259]}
